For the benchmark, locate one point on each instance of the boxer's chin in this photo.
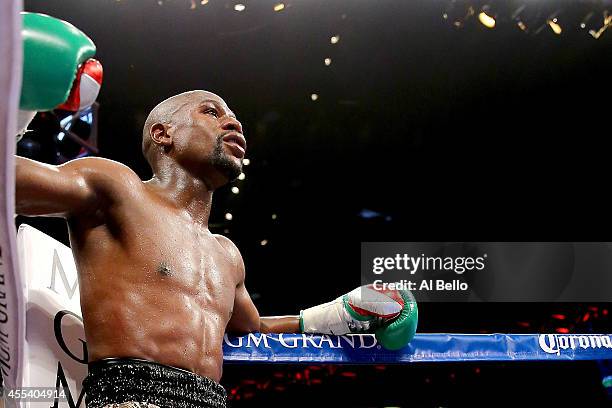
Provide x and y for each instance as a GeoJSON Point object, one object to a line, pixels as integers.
{"type": "Point", "coordinates": [229, 166]}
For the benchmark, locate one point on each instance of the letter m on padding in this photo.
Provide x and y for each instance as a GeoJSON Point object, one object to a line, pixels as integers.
{"type": "Point", "coordinates": [59, 268]}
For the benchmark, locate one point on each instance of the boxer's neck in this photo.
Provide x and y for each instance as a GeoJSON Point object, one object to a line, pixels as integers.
{"type": "Point", "coordinates": [186, 192]}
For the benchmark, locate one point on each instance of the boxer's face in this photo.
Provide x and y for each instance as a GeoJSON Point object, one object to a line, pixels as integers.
{"type": "Point", "coordinates": [209, 140]}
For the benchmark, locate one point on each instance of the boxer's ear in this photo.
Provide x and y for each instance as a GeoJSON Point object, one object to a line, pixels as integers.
{"type": "Point", "coordinates": [160, 136]}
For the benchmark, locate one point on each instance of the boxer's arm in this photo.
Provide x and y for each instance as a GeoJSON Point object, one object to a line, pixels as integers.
{"type": "Point", "coordinates": [279, 324]}
{"type": "Point", "coordinates": [78, 187]}
{"type": "Point", "coordinates": [42, 189]}
{"type": "Point", "coordinates": [245, 317]}
{"type": "Point", "coordinates": [392, 315]}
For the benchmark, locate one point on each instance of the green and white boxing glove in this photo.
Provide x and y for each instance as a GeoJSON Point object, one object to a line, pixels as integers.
{"type": "Point", "coordinates": [53, 53]}
{"type": "Point", "coordinates": [391, 314]}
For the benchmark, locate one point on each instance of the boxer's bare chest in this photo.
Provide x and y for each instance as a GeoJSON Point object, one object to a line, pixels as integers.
{"type": "Point", "coordinates": [160, 249]}
{"type": "Point", "coordinates": [155, 284]}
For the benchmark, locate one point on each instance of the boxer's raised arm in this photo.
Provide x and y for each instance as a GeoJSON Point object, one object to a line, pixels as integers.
{"type": "Point", "coordinates": [42, 189]}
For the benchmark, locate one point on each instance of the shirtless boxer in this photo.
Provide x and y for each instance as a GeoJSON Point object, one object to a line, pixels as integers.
{"type": "Point", "coordinates": [158, 289]}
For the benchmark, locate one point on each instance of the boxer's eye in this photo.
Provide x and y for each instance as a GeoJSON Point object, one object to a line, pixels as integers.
{"type": "Point", "coordinates": [212, 112]}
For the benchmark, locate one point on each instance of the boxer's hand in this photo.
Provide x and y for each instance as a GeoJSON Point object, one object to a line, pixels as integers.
{"type": "Point", "coordinates": [392, 315]}
{"type": "Point", "coordinates": [86, 86]}
{"type": "Point", "coordinates": [54, 54]}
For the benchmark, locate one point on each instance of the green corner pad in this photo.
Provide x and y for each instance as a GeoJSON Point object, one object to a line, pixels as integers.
{"type": "Point", "coordinates": [52, 51]}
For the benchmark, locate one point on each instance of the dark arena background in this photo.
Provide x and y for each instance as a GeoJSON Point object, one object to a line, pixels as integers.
{"type": "Point", "coordinates": [390, 120]}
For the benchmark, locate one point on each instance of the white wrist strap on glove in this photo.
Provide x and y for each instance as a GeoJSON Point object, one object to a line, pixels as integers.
{"type": "Point", "coordinates": [328, 318]}
{"type": "Point", "coordinates": [361, 310]}
{"type": "Point", "coordinates": [333, 318]}
{"type": "Point", "coordinates": [23, 121]}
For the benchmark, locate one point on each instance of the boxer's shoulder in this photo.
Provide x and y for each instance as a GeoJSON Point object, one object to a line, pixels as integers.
{"type": "Point", "coordinates": [100, 166]}
{"type": "Point", "coordinates": [227, 244]}
{"type": "Point", "coordinates": [105, 174]}
{"type": "Point", "coordinates": [232, 251]}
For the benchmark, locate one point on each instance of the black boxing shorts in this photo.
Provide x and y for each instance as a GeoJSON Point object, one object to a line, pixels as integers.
{"type": "Point", "coordinates": [114, 381]}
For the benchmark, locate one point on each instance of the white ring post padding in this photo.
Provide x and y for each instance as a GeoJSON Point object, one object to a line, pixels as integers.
{"type": "Point", "coordinates": [12, 305]}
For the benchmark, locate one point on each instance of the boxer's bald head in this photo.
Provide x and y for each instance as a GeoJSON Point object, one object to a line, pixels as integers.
{"type": "Point", "coordinates": [188, 128]}
{"type": "Point", "coordinates": [164, 113]}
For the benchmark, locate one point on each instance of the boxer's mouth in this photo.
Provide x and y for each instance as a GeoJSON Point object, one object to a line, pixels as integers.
{"type": "Point", "coordinates": [237, 142]}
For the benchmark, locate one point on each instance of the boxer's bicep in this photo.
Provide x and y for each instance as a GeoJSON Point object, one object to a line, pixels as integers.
{"type": "Point", "coordinates": [42, 189]}
{"type": "Point", "coordinates": [245, 317]}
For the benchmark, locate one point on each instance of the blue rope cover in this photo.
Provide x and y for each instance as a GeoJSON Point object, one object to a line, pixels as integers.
{"type": "Point", "coordinates": [363, 349]}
